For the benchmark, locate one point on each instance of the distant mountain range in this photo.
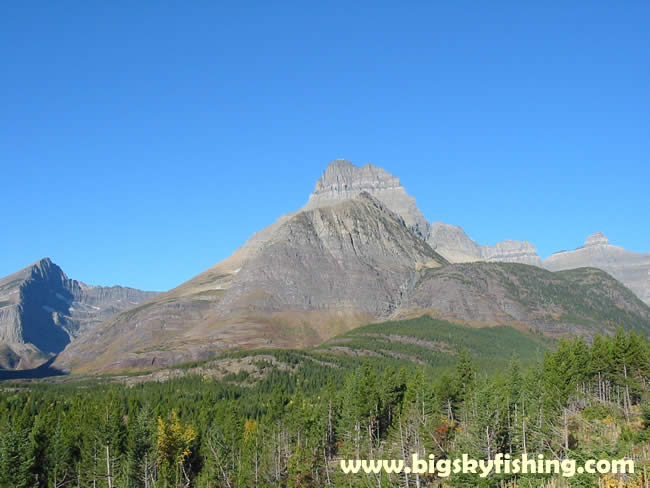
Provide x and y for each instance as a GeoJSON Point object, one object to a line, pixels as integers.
{"type": "Point", "coordinates": [358, 252]}
{"type": "Point", "coordinates": [631, 268]}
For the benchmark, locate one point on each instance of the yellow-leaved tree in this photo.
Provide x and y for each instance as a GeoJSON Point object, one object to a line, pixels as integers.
{"type": "Point", "coordinates": [173, 448]}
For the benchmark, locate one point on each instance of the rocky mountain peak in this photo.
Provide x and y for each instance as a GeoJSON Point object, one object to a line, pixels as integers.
{"type": "Point", "coordinates": [44, 263]}
{"type": "Point", "coordinates": [45, 269]}
{"type": "Point", "coordinates": [452, 242]}
{"type": "Point", "coordinates": [597, 239]}
{"type": "Point", "coordinates": [41, 310]}
{"type": "Point", "coordinates": [342, 180]}
{"type": "Point", "coordinates": [341, 176]}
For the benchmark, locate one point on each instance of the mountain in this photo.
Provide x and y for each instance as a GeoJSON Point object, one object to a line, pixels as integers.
{"type": "Point", "coordinates": [343, 180]}
{"type": "Point", "coordinates": [358, 252]}
{"type": "Point", "coordinates": [630, 268]}
{"type": "Point", "coordinates": [584, 301]}
{"type": "Point", "coordinates": [334, 265]}
{"type": "Point", "coordinates": [454, 244]}
{"type": "Point", "coordinates": [317, 273]}
{"type": "Point", "coordinates": [42, 310]}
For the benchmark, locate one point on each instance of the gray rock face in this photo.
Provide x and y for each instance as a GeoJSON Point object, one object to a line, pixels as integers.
{"type": "Point", "coordinates": [42, 310]}
{"type": "Point", "coordinates": [357, 254]}
{"type": "Point", "coordinates": [342, 180]}
{"type": "Point", "coordinates": [454, 244]}
{"type": "Point", "coordinates": [512, 252]}
{"type": "Point", "coordinates": [630, 268]}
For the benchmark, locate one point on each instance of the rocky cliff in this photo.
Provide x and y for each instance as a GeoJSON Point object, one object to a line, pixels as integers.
{"type": "Point", "coordinates": [42, 310]}
{"type": "Point", "coordinates": [630, 268]}
{"type": "Point", "coordinates": [453, 243]}
{"type": "Point", "coordinates": [509, 251]}
{"type": "Point", "coordinates": [342, 180]}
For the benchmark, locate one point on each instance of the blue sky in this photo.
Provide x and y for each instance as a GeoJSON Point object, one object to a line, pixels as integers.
{"type": "Point", "coordinates": [141, 142]}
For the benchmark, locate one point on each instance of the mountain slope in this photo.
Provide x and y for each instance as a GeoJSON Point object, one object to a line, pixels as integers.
{"type": "Point", "coordinates": [41, 310]}
{"type": "Point", "coordinates": [340, 181]}
{"type": "Point", "coordinates": [332, 269]}
{"type": "Point", "coordinates": [631, 268]}
{"type": "Point", "coordinates": [581, 301]}
{"type": "Point", "coordinates": [320, 272]}
{"type": "Point", "coordinates": [428, 341]}
{"type": "Point", "coordinates": [421, 342]}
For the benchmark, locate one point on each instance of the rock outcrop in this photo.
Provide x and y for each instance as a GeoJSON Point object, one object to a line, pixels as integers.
{"type": "Point", "coordinates": [512, 252]}
{"type": "Point", "coordinates": [455, 245]}
{"type": "Point", "coordinates": [596, 240]}
{"type": "Point", "coordinates": [342, 180]}
{"type": "Point", "coordinates": [356, 253]}
{"type": "Point", "coordinates": [42, 310]}
{"type": "Point", "coordinates": [630, 268]}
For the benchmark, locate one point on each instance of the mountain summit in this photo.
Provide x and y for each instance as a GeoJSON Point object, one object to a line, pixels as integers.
{"type": "Point", "coordinates": [597, 239]}
{"type": "Point", "coordinates": [342, 180]}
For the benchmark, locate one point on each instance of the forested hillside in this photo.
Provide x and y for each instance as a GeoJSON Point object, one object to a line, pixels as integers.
{"type": "Point", "coordinates": [436, 343]}
{"type": "Point", "coordinates": [291, 425]}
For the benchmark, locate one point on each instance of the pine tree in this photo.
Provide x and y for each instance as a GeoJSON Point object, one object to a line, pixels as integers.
{"type": "Point", "coordinates": [465, 372]}
{"type": "Point", "coordinates": [16, 458]}
{"type": "Point", "coordinates": [139, 447]}
{"type": "Point", "coordinates": [600, 364]}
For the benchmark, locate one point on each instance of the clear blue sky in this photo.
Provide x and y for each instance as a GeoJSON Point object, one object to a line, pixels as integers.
{"type": "Point", "coordinates": [141, 142]}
